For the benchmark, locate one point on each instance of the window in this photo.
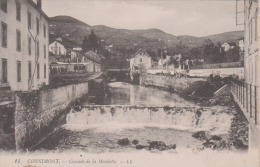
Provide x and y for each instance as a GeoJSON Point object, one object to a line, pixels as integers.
{"type": "Point", "coordinates": [256, 19]}
{"type": "Point", "coordinates": [29, 70]}
{"type": "Point", "coordinates": [4, 5]}
{"type": "Point", "coordinates": [19, 72]}
{"type": "Point", "coordinates": [4, 35]}
{"type": "Point", "coordinates": [4, 71]}
{"type": "Point", "coordinates": [44, 31]}
{"type": "Point", "coordinates": [37, 26]}
{"type": "Point", "coordinates": [45, 72]}
{"type": "Point", "coordinates": [29, 20]}
{"type": "Point", "coordinates": [38, 71]}
{"type": "Point", "coordinates": [18, 40]}
{"type": "Point", "coordinates": [251, 31]}
{"type": "Point", "coordinates": [18, 10]}
{"type": "Point", "coordinates": [141, 60]}
{"type": "Point", "coordinates": [44, 52]}
{"type": "Point", "coordinates": [38, 48]}
{"type": "Point", "coordinates": [29, 45]}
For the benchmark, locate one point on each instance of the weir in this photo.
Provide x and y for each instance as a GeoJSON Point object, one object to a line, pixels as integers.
{"type": "Point", "coordinates": [213, 120]}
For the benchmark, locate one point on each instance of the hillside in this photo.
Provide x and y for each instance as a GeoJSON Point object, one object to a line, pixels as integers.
{"type": "Point", "coordinates": [75, 31]}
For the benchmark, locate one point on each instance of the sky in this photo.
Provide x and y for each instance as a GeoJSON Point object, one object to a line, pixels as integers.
{"type": "Point", "coordinates": [177, 17]}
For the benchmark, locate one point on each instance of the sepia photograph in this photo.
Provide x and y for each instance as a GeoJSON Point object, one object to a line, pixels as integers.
{"type": "Point", "coordinates": [129, 83]}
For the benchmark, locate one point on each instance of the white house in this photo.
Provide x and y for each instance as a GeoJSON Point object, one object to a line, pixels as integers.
{"type": "Point", "coordinates": [140, 60]}
{"type": "Point", "coordinates": [241, 45]}
{"type": "Point", "coordinates": [177, 57]}
{"type": "Point", "coordinates": [225, 46]}
{"type": "Point", "coordinates": [57, 47]}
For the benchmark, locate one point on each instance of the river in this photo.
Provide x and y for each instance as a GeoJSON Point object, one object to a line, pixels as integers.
{"type": "Point", "coordinates": [98, 129]}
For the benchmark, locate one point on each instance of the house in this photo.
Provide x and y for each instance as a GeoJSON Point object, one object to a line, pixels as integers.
{"type": "Point", "coordinates": [177, 57]}
{"type": "Point", "coordinates": [23, 60]}
{"type": "Point", "coordinates": [140, 61]}
{"type": "Point", "coordinates": [241, 45]}
{"type": "Point", "coordinates": [94, 61]}
{"type": "Point", "coordinates": [225, 46]}
{"type": "Point", "coordinates": [57, 47]}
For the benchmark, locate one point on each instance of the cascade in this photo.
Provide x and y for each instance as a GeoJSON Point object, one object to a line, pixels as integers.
{"type": "Point", "coordinates": [213, 120]}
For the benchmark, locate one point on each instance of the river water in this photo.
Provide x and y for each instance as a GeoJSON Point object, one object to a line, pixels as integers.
{"type": "Point", "coordinates": [98, 129]}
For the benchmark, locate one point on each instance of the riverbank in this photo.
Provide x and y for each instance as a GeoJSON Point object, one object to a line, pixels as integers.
{"type": "Point", "coordinates": [198, 90]}
{"type": "Point", "coordinates": [201, 92]}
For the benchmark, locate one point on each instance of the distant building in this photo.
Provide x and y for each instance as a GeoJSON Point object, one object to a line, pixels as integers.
{"type": "Point", "coordinates": [225, 46]}
{"type": "Point", "coordinates": [94, 61]}
{"type": "Point", "coordinates": [177, 57]}
{"type": "Point", "coordinates": [57, 47]}
{"type": "Point", "coordinates": [24, 32]}
{"type": "Point", "coordinates": [77, 49]}
{"type": "Point", "coordinates": [140, 60]}
{"type": "Point", "coordinates": [241, 46]}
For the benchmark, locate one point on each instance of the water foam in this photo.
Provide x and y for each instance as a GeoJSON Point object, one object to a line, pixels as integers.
{"type": "Point", "coordinates": [105, 118]}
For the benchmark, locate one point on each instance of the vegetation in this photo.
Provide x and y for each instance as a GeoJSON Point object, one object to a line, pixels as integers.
{"type": "Point", "coordinates": [126, 42]}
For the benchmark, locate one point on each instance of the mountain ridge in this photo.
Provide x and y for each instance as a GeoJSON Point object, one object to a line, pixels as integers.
{"type": "Point", "coordinates": [76, 30]}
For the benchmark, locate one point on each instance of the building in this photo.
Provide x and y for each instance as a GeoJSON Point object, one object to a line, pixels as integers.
{"type": "Point", "coordinates": [225, 46]}
{"type": "Point", "coordinates": [57, 47]}
{"type": "Point", "coordinates": [24, 45]}
{"type": "Point", "coordinates": [140, 61]}
{"type": "Point", "coordinates": [94, 61]}
{"type": "Point", "coordinates": [252, 67]}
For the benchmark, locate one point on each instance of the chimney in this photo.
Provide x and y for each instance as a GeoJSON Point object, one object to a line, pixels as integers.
{"type": "Point", "coordinates": [39, 3]}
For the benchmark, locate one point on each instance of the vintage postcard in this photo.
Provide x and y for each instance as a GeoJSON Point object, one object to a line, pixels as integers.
{"type": "Point", "coordinates": [129, 83]}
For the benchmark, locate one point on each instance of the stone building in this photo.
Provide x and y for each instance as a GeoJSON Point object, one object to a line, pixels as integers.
{"type": "Point", "coordinates": [252, 68]}
{"type": "Point", "coordinates": [24, 41]}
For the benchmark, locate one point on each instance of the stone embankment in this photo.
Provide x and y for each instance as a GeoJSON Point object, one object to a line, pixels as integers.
{"type": "Point", "coordinates": [39, 112]}
{"type": "Point", "coordinates": [211, 92]}
{"type": "Point", "coordinates": [199, 90]}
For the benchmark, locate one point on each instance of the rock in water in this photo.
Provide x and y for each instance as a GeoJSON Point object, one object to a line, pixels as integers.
{"type": "Point", "coordinates": [199, 135]}
{"type": "Point", "coordinates": [123, 142]}
{"type": "Point", "coordinates": [135, 142]}
{"type": "Point", "coordinates": [215, 138]}
{"type": "Point", "coordinates": [140, 147]}
{"type": "Point", "coordinates": [238, 144]}
{"type": "Point", "coordinates": [209, 145]}
{"type": "Point", "coordinates": [159, 145]}
{"type": "Point", "coordinates": [172, 147]}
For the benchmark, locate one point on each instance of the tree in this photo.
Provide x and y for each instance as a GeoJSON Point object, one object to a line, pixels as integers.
{"type": "Point", "coordinates": [91, 42]}
{"type": "Point", "coordinates": [85, 44]}
{"type": "Point", "coordinates": [211, 52]}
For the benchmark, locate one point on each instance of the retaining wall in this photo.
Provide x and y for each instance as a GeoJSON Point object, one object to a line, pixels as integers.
{"type": "Point", "coordinates": [39, 112]}
{"type": "Point", "coordinates": [167, 82]}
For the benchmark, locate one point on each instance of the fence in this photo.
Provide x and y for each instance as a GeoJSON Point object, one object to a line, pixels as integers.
{"type": "Point", "coordinates": [246, 95]}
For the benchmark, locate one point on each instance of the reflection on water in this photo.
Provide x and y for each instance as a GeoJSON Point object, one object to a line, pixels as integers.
{"type": "Point", "coordinates": [127, 94]}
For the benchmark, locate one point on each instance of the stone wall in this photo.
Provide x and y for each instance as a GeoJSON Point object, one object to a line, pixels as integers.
{"type": "Point", "coordinates": [39, 112]}
{"type": "Point", "coordinates": [167, 82]}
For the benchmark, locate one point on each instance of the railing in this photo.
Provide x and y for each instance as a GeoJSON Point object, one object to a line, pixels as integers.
{"type": "Point", "coordinates": [246, 95]}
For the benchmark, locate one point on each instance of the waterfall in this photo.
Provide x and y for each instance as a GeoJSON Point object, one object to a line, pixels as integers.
{"type": "Point", "coordinates": [213, 120]}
